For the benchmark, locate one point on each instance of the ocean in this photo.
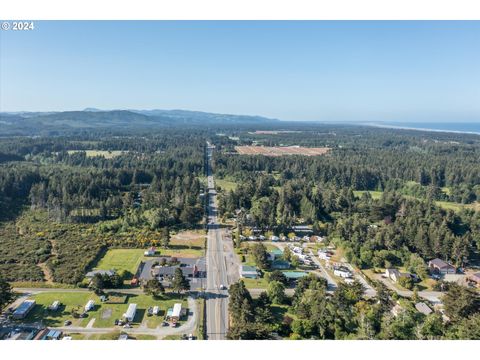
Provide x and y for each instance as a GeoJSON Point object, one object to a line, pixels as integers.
{"type": "Point", "coordinates": [462, 127]}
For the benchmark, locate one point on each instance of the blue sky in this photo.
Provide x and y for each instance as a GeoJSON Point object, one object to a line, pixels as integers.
{"type": "Point", "coordinates": [326, 71]}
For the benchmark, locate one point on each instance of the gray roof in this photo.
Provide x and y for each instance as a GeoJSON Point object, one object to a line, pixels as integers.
{"type": "Point", "coordinates": [92, 273]}
{"type": "Point", "coordinates": [423, 308]}
{"type": "Point", "coordinates": [440, 263]}
{"type": "Point", "coordinates": [186, 264]}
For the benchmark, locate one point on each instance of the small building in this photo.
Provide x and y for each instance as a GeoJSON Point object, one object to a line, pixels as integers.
{"type": "Point", "coordinates": [280, 265]}
{"type": "Point", "coordinates": [89, 305]}
{"type": "Point", "coordinates": [395, 275]}
{"type": "Point", "coordinates": [423, 308]}
{"type": "Point", "coordinates": [342, 272]}
{"type": "Point", "coordinates": [175, 313]}
{"type": "Point", "coordinates": [130, 313]}
{"type": "Point", "coordinates": [474, 279]}
{"type": "Point", "coordinates": [92, 273]}
{"type": "Point", "coordinates": [55, 305]}
{"type": "Point", "coordinates": [53, 335]}
{"type": "Point", "coordinates": [248, 272]}
{"type": "Point", "coordinates": [155, 310]}
{"type": "Point", "coordinates": [438, 266]}
{"type": "Point", "coordinates": [23, 309]}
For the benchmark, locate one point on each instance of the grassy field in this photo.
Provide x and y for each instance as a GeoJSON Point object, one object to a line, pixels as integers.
{"type": "Point", "coordinates": [105, 154]}
{"type": "Point", "coordinates": [106, 314]}
{"type": "Point", "coordinates": [183, 244]}
{"type": "Point", "coordinates": [103, 313]}
{"type": "Point", "coordinates": [226, 185]}
{"type": "Point", "coordinates": [121, 259]}
{"type": "Point", "coordinates": [69, 301]}
{"type": "Point", "coordinates": [447, 205]}
{"type": "Point", "coordinates": [261, 283]}
{"type": "Point", "coordinates": [375, 194]}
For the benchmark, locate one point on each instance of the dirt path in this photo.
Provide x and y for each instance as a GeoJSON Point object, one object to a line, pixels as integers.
{"type": "Point", "coordinates": [47, 274]}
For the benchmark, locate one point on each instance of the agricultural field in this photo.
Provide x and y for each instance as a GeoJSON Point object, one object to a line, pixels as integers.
{"type": "Point", "coordinates": [280, 150]}
{"type": "Point", "coordinates": [103, 153]}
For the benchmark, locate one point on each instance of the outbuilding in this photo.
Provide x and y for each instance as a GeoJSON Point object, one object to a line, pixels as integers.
{"type": "Point", "coordinates": [24, 308]}
{"type": "Point", "coordinates": [89, 306]}
{"type": "Point", "coordinates": [130, 313]}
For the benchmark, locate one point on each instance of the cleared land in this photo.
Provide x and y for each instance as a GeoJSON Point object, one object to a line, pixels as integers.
{"type": "Point", "coordinates": [280, 150]}
{"type": "Point", "coordinates": [105, 154]}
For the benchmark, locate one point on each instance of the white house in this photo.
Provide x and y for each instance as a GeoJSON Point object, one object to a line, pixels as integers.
{"type": "Point", "coordinates": [342, 272]}
{"type": "Point", "coordinates": [131, 311]}
{"type": "Point", "coordinates": [395, 275]}
{"type": "Point", "coordinates": [177, 311]}
{"type": "Point", "coordinates": [89, 306]}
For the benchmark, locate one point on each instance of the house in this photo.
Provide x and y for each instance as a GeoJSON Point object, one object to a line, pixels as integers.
{"type": "Point", "coordinates": [280, 265]}
{"type": "Point", "coordinates": [395, 275]}
{"type": "Point", "coordinates": [293, 276]}
{"type": "Point", "coordinates": [342, 272]}
{"type": "Point", "coordinates": [150, 252]}
{"type": "Point", "coordinates": [163, 269]}
{"type": "Point", "coordinates": [23, 309]}
{"type": "Point", "coordinates": [54, 306]}
{"type": "Point", "coordinates": [423, 308]}
{"type": "Point", "coordinates": [248, 272]}
{"type": "Point", "coordinates": [89, 306]}
{"type": "Point", "coordinates": [52, 335]}
{"type": "Point", "coordinates": [474, 279]}
{"type": "Point", "coordinates": [175, 313]}
{"type": "Point", "coordinates": [92, 273]}
{"type": "Point", "coordinates": [438, 266]}
{"type": "Point", "coordinates": [130, 313]}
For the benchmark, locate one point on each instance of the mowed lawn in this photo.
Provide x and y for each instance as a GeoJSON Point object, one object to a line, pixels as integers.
{"type": "Point", "coordinates": [226, 185]}
{"type": "Point", "coordinates": [104, 314]}
{"type": "Point", "coordinates": [184, 244]}
{"type": "Point", "coordinates": [121, 259]}
{"type": "Point", "coordinates": [69, 300]}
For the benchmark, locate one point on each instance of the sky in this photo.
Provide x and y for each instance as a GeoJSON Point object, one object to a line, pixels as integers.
{"type": "Point", "coordinates": [291, 70]}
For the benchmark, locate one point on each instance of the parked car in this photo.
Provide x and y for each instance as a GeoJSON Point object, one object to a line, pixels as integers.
{"type": "Point", "coordinates": [223, 287]}
{"type": "Point", "coordinates": [67, 323]}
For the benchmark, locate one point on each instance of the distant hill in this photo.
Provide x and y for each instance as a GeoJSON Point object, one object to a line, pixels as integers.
{"type": "Point", "coordinates": [25, 123]}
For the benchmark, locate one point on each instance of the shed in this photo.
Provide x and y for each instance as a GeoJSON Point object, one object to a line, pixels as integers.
{"type": "Point", "coordinates": [423, 308]}
{"type": "Point", "coordinates": [89, 306]}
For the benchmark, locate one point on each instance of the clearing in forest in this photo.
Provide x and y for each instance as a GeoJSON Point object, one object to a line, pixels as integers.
{"type": "Point", "coordinates": [280, 150]}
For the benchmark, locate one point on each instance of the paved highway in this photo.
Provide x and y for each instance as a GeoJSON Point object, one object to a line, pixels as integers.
{"type": "Point", "coordinates": [218, 251]}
